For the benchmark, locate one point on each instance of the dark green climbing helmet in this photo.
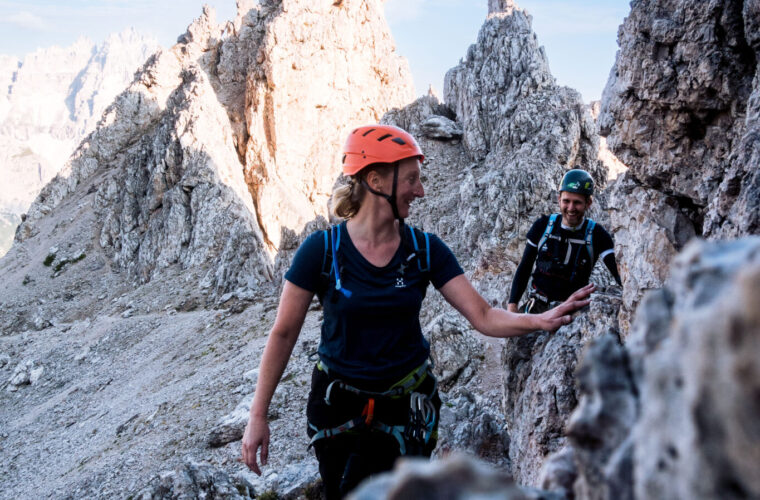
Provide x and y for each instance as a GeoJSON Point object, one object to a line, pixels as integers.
{"type": "Point", "coordinates": [577, 181]}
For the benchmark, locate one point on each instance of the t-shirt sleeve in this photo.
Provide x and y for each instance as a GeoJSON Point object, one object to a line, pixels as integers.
{"type": "Point", "coordinates": [537, 230]}
{"type": "Point", "coordinates": [306, 268]}
{"type": "Point", "coordinates": [443, 263]}
{"type": "Point", "coordinates": [603, 244]}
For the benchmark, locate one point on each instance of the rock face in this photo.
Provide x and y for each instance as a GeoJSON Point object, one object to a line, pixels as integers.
{"type": "Point", "coordinates": [50, 101]}
{"type": "Point", "coordinates": [650, 229]}
{"type": "Point", "coordinates": [680, 110]}
{"type": "Point", "coordinates": [320, 68]}
{"type": "Point", "coordinates": [211, 154]}
{"type": "Point", "coordinates": [698, 431]}
{"type": "Point", "coordinates": [539, 386]}
{"type": "Point", "coordinates": [602, 422]}
{"type": "Point", "coordinates": [678, 94]}
{"type": "Point", "coordinates": [735, 210]}
{"type": "Point", "coordinates": [672, 414]}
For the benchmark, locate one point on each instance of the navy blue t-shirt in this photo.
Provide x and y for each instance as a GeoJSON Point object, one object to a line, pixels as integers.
{"type": "Point", "coordinates": [375, 334]}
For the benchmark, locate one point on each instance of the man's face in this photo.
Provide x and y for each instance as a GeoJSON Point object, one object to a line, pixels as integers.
{"type": "Point", "coordinates": [573, 207]}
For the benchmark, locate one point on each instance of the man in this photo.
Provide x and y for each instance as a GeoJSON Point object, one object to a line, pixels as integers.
{"type": "Point", "coordinates": [564, 247]}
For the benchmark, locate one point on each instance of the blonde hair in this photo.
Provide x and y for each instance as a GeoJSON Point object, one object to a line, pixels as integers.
{"type": "Point", "coordinates": [347, 198]}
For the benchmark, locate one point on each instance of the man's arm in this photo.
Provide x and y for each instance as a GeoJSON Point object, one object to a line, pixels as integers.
{"type": "Point", "coordinates": [611, 263]}
{"type": "Point", "coordinates": [606, 248]}
{"type": "Point", "coordinates": [522, 275]}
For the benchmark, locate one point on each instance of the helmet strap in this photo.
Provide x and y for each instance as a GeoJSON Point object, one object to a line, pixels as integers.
{"type": "Point", "coordinates": [391, 197]}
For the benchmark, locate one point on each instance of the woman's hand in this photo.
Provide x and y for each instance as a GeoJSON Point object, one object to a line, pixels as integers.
{"type": "Point", "coordinates": [256, 436]}
{"type": "Point", "coordinates": [561, 315]}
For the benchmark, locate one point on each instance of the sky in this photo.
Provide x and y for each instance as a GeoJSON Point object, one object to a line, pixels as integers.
{"type": "Point", "coordinates": [579, 36]}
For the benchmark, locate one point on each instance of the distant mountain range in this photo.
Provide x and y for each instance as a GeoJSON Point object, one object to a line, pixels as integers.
{"type": "Point", "coordinates": [49, 101]}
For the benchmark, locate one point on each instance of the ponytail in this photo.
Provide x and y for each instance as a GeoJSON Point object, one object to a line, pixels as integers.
{"type": "Point", "coordinates": [346, 199]}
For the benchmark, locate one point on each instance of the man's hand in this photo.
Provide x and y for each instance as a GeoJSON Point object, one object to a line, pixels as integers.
{"type": "Point", "coordinates": [256, 436]}
{"type": "Point", "coordinates": [562, 314]}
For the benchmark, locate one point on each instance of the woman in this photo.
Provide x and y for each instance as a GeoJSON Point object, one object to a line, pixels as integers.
{"type": "Point", "coordinates": [373, 396]}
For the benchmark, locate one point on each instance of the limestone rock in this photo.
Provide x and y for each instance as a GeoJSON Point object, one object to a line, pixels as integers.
{"type": "Point", "coordinates": [602, 421]}
{"type": "Point", "coordinates": [559, 472]}
{"type": "Point", "coordinates": [612, 163]}
{"type": "Point", "coordinates": [339, 59]}
{"type": "Point", "coordinates": [196, 480]}
{"type": "Point", "coordinates": [735, 210]}
{"type": "Point", "coordinates": [674, 106]}
{"type": "Point", "coordinates": [24, 374]}
{"type": "Point", "coordinates": [456, 353]}
{"type": "Point", "coordinates": [680, 110]}
{"type": "Point", "coordinates": [207, 157]}
{"type": "Point", "coordinates": [521, 128]}
{"type": "Point", "coordinates": [294, 481]}
{"type": "Point", "coordinates": [474, 425]}
{"type": "Point", "coordinates": [440, 127]}
{"type": "Point", "coordinates": [650, 228]}
{"type": "Point", "coordinates": [457, 478]}
{"type": "Point", "coordinates": [698, 432]}
{"type": "Point", "coordinates": [539, 386]}
{"type": "Point", "coordinates": [232, 426]}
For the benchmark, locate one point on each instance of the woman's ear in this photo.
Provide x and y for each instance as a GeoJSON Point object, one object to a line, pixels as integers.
{"type": "Point", "coordinates": [374, 180]}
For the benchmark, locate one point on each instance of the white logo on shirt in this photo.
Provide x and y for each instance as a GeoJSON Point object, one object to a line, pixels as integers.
{"type": "Point", "coordinates": [400, 282]}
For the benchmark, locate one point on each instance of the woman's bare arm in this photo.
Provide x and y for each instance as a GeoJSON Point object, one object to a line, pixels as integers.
{"type": "Point", "coordinates": [294, 302]}
{"type": "Point", "coordinates": [496, 322]}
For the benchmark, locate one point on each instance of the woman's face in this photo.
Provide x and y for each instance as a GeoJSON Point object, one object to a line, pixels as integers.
{"type": "Point", "coordinates": [409, 186]}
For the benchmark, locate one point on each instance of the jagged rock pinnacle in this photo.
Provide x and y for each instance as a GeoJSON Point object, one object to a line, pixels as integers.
{"type": "Point", "coordinates": [495, 6]}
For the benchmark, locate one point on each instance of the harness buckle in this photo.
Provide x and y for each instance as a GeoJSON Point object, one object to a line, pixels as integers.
{"type": "Point", "coordinates": [369, 411]}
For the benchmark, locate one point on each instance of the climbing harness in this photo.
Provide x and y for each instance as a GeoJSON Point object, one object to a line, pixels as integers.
{"type": "Point", "coordinates": [422, 419]}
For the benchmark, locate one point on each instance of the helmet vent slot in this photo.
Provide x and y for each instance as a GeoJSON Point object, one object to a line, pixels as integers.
{"type": "Point", "coordinates": [399, 140]}
{"type": "Point", "coordinates": [365, 134]}
{"type": "Point", "coordinates": [382, 138]}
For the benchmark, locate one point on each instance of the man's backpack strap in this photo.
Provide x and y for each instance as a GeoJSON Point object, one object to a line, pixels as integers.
{"type": "Point", "coordinates": [547, 231]}
{"type": "Point", "coordinates": [589, 234]}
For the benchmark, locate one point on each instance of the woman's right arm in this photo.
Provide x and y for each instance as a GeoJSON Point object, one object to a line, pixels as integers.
{"type": "Point", "coordinates": [294, 302]}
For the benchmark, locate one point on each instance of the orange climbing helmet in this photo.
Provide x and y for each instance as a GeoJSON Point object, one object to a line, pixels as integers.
{"type": "Point", "coordinates": [370, 144]}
